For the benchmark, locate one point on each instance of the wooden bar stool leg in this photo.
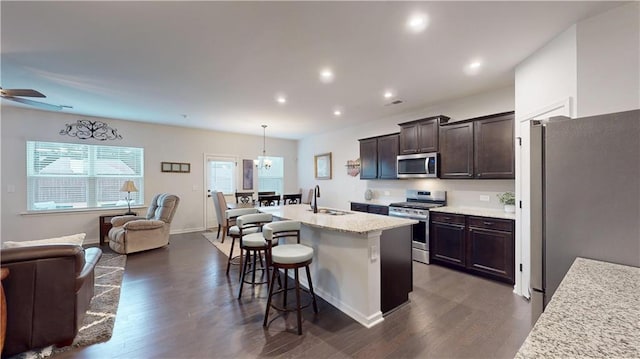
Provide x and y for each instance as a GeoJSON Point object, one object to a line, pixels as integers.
{"type": "Point", "coordinates": [233, 242]}
{"type": "Point", "coordinates": [286, 284]}
{"type": "Point", "coordinates": [266, 313]}
{"type": "Point", "coordinates": [298, 307]}
{"type": "Point", "coordinates": [253, 269]}
{"type": "Point", "coordinates": [244, 271]}
{"type": "Point", "coordinates": [313, 295]}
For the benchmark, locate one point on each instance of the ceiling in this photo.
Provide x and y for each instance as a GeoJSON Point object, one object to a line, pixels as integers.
{"type": "Point", "coordinates": [220, 65]}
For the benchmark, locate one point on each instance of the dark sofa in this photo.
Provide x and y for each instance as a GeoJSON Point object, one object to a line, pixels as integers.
{"type": "Point", "coordinates": [48, 291]}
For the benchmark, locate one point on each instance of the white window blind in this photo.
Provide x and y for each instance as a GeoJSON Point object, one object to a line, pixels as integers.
{"type": "Point", "coordinates": [272, 179]}
{"type": "Point", "coordinates": [222, 176]}
{"type": "Point", "coordinates": [69, 175]}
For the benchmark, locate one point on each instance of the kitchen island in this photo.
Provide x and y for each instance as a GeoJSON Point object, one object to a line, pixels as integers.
{"type": "Point", "coordinates": [595, 313]}
{"type": "Point", "coordinates": [362, 262]}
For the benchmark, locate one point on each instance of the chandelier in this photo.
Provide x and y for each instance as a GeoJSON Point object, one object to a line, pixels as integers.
{"type": "Point", "coordinates": [263, 162]}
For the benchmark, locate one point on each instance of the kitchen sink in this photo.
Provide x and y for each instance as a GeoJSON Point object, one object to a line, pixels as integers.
{"type": "Point", "coordinates": [332, 212]}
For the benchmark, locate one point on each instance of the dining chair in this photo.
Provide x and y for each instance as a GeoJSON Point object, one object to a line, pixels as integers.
{"type": "Point", "coordinates": [244, 197]}
{"type": "Point", "coordinates": [292, 198]}
{"type": "Point", "coordinates": [221, 208]}
{"type": "Point", "coordinates": [266, 193]}
{"type": "Point", "coordinates": [269, 200]}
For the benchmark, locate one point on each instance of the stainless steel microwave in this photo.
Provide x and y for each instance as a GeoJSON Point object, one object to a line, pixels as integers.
{"type": "Point", "coordinates": [420, 165]}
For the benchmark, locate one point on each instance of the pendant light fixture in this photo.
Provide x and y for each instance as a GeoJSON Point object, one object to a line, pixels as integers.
{"type": "Point", "coordinates": [262, 162]}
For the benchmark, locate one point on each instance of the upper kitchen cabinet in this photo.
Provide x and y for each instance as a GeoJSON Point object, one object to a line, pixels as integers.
{"type": "Point", "coordinates": [420, 136]}
{"type": "Point", "coordinates": [481, 148]}
{"type": "Point", "coordinates": [494, 147]}
{"type": "Point", "coordinates": [378, 157]}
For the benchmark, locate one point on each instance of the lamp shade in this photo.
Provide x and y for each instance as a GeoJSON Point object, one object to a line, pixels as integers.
{"type": "Point", "coordinates": [128, 186]}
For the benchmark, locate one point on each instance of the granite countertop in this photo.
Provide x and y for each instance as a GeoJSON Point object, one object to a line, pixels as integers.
{"type": "Point", "coordinates": [595, 313]}
{"type": "Point", "coordinates": [475, 211]}
{"type": "Point", "coordinates": [354, 222]}
{"type": "Point", "coordinates": [379, 202]}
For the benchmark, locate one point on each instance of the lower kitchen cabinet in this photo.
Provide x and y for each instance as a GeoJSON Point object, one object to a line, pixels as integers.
{"type": "Point", "coordinates": [479, 245]}
{"type": "Point", "coordinates": [370, 208]}
{"type": "Point", "coordinates": [447, 239]}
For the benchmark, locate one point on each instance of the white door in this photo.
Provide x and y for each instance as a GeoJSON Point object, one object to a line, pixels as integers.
{"type": "Point", "coordinates": [220, 176]}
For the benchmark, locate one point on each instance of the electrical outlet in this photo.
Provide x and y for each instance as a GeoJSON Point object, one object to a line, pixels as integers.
{"type": "Point", "coordinates": [387, 193]}
{"type": "Point", "coordinates": [485, 198]}
{"type": "Point", "coordinates": [195, 187]}
{"type": "Point", "coordinates": [373, 253]}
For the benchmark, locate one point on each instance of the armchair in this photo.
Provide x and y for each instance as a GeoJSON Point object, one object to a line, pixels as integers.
{"type": "Point", "coordinates": [47, 292]}
{"type": "Point", "coordinates": [131, 234]}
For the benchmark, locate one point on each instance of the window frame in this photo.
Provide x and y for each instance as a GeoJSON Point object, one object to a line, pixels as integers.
{"type": "Point", "coordinates": [94, 197]}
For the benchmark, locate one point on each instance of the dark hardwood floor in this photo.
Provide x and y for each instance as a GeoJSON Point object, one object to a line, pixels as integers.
{"type": "Point", "coordinates": [177, 302]}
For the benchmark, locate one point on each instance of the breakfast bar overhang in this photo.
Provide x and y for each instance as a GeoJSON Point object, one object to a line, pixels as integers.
{"type": "Point", "coordinates": [362, 262]}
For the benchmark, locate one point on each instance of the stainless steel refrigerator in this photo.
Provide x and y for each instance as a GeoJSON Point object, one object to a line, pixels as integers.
{"type": "Point", "coordinates": [585, 191]}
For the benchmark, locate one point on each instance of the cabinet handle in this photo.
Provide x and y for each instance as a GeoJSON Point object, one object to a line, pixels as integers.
{"type": "Point", "coordinates": [488, 223]}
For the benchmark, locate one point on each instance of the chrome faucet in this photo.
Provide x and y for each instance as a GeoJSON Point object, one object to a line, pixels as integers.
{"type": "Point", "coordinates": [316, 194]}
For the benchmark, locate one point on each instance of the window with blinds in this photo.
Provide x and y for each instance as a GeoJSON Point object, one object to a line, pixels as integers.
{"type": "Point", "coordinates": [272, 179]}
{"type": "Point", "coordinates": [70, 175]}
{"type": "Point", "coordinates": [222, 175]}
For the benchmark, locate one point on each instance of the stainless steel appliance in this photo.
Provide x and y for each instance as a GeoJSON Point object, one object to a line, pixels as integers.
{"type": "Point", "coordinates": [420, 165]}
{"type": "Point", "coordinates": [587, 172]}
{"type": "Point", "coordinates": [417, 207]}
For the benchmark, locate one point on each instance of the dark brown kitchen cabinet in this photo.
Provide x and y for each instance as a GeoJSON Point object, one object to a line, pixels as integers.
{"type": "Point", "coordinates": [370, 208]}
{"type": "Point", "coordinates": [447, 239]}
{"type": "Point", "coordinates": [378, 157]}
{"type": "Point", "coordinates": [456, 150]}
{"type": "Point", "coordinates": [490, 247]}
{"type": "Point", "coordinates": [369, 158]}
{"type": "Point", "coordinates": [494, 147]}
{"type": "Point", "coordinates": [479, 245]}
{"type": "Point", "coordinates": [481, 148]}
{"type": "Point", "coordinates": [420, 136]}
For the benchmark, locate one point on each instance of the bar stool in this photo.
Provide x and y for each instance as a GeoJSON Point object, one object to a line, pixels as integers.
{"type": "Point", "coordinates": [253, 243]}
{"type": "Point", "coordinates": [234, 232]}
{"type": "Point", "coordinates": [288, 256]}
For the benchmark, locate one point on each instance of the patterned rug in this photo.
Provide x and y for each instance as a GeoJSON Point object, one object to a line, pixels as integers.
{"type": "Point", "coordinates": [101, 316]}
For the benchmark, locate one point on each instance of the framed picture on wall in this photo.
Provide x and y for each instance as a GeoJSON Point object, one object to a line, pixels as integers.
{"type": "Point", "coordinates": [322, 166]}
{"type": "Point", "coordinates": [247, 174]}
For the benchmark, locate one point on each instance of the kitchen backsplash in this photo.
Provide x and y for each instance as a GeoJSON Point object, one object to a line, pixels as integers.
{"type": "Point", "coordinates": [465, 193]}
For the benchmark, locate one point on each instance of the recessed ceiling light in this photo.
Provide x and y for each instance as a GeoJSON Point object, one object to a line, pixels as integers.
{"type": "Point", "coordinates": [326, 75]}
{"type": "Point", "coordinates": [417, 22]}
{"type": "Point", "coordinates": [281, 99]}
{"type": "Point", "coordinates": [337, 112]}
{"type": "Point", "coordinates": [473, 67]}
{"type": "Point", "coordinates": [388, 94]}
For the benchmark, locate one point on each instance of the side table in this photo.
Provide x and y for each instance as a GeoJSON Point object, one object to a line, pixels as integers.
{"type": "Point", "coordinates": [105, 225]}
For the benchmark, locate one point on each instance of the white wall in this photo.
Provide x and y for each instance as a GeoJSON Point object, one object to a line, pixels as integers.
{"type": "Point", "coordinates": [608, 61]}
{"type": "Point", "coordinates": [548, 76]}
{"type": "Point", "coordinates": [344, 146]}
{"type": "Point", "coordinates": [160, 143]}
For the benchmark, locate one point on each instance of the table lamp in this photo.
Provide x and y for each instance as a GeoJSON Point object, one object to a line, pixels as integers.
{"type": "Point", "coordinates": [129, 186]}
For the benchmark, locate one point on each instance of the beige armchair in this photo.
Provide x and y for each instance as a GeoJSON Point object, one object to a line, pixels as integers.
{"type": "Point", "coordinates": [131, 234]}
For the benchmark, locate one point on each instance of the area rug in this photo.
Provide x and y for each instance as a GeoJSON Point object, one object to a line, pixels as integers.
{"type": "Point", "coordinates": [222, 247]}
{"type": "Point", "coordinates": [100, 318]}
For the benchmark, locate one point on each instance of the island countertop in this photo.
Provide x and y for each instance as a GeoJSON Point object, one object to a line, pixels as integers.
{"type": "Point", "coordinates": [353, 222]}
{"type": "Point", "coordinates": [594, 313]}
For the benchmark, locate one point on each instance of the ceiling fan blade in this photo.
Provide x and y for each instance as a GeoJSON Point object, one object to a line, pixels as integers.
{"type": "Point", "coordinates": [42, 105]}
{"type": "Point", "coordinates": [21, 93]}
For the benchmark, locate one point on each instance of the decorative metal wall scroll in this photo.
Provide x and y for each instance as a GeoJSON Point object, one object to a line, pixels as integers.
{"type": "Point", "coordinates": [85, 129]}
{"type": "Point", "coordinates": [353, 167]}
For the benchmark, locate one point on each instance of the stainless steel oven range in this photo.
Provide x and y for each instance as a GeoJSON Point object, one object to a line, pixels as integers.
{"type": "Point", "coordinates": [417, 207]}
